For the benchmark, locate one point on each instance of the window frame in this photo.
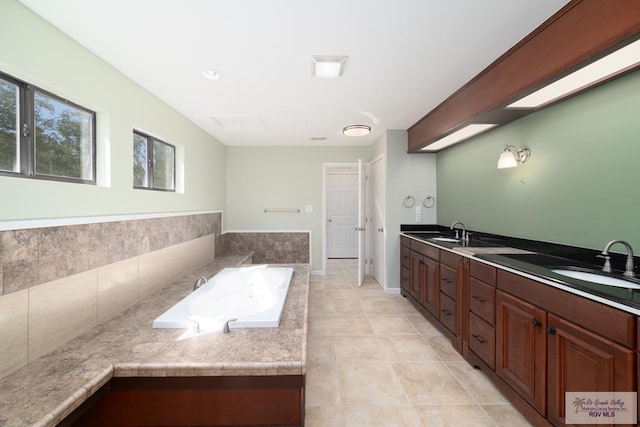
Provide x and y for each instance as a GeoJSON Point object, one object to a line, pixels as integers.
{"type": "Point", "coordinates": [27, 128]}
{"type": "Point", "coordinates": [150, 166]}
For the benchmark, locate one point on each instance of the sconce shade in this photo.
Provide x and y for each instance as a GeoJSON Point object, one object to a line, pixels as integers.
{"type": "Point", "coordinates": [509, 159]}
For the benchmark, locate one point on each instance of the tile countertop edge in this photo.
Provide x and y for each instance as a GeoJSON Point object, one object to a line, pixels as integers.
{"type": "Point", "coordinates": [535, 277]}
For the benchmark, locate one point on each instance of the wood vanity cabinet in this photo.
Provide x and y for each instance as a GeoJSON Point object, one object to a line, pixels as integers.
{"type": "Point", "coordinates": [405, 264]}
{"type": "Point", "coordinates": [425, 271]}
{"type": "Point", "coordinates": [454, 279]}
{"type": "Point", "coordinates": [541, 355]}
{"type": "Point", "coordinates": [521, 341]}
{"type": "Point", "coordinates": [480, 334]}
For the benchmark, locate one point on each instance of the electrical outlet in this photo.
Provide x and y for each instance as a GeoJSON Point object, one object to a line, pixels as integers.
{"type": "Point", "coordinates": [418, 218]}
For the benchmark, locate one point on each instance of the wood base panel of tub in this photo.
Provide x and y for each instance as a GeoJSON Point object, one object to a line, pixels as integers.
{"type": "Point", "coordinates": [196, 401]}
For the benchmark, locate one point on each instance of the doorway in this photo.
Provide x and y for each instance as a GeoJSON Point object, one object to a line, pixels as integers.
{"type": "Point", "coordinates": [342, 211]}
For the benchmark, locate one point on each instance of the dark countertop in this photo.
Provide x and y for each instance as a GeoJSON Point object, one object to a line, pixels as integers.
{"type": "Point", "coordinates": [535, 260]}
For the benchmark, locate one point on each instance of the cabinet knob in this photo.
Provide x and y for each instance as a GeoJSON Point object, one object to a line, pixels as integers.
{"type": "Point", "coordinates": [537, 323]}
{"type": "Point", "coordinates": [551, 331]}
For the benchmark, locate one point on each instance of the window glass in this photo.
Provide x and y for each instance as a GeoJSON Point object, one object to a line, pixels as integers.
{"type": "Point", "coordinates": [63, 139]}
{"type": "Point", "coordinates": [9, 125]}
{"type": "Point", "coordinates": [140, 161]}
{"type": "Point", "coordinates": [163, 166]}
{"type": "Point", "coordinates": [159, 173]}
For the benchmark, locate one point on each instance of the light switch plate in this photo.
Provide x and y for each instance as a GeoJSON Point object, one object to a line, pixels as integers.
{"type": "Point", "coordinates": [308, 209]}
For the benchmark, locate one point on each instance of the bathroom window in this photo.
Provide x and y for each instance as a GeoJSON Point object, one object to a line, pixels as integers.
{"type": "Point", "coordinates": [45, 136]}
{"type": "Point", "coordinates": [153, 163]}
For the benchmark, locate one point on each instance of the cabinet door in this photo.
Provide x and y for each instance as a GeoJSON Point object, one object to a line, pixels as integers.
{"type": "Point", "coordinates": [580, 361]}
{"type": "Point", "coordinates": [521, 348]}
{"type": "Point", "coordinates": [430, 285]}
{"type": "Point", "coordinates": [416, 275]}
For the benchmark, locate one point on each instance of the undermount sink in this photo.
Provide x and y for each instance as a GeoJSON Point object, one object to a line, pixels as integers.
{"type": "Point", "coordinates": [596, 278]}
{"type": "Point", "coordinates": [445, 239]}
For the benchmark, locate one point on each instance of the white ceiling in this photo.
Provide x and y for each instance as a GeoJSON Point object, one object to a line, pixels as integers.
{"type": "Point", "coordinates": [405, 57]}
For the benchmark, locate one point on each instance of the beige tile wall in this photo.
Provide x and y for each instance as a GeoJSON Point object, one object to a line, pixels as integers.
{"type": "Point", "coordinates": [38, 320]}
{"type": "Point", "coordinates": [14, 325]}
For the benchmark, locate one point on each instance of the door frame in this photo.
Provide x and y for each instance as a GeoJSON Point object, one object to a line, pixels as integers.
{"type": "Point", "coordinates": [325, 169]}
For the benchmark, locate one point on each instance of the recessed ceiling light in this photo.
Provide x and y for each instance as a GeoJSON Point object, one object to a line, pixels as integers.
{"type": "Point", "coordinates": [211, 75]}
{"type": "Point", "coordinates": [327, 67]}
{"type": "Point", "coordinates": [356, 130]}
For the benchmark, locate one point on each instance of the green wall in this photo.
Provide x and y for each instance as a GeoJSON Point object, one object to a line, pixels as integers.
{"type": "Point", "coordinates": [281, 177]}
{"type": "Point", "coordinates": [581, 185]}
{"type": "Point", "coordinates": [36, 52]}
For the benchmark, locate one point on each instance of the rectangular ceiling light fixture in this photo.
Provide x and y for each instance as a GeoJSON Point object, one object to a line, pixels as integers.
{"type": "Point", "coordinates": [459, 135]}
{"type": "Point", "coordinates": [327, 67]}
{"type": "Point", "coordinates": [604, 68]}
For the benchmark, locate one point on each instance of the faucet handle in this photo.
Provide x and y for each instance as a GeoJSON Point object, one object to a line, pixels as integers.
{"type": "Point", "coordinates": [607, 262]}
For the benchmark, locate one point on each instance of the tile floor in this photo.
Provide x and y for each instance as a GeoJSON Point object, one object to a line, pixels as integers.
{"type": "Point", "coordinates": [373, 360]}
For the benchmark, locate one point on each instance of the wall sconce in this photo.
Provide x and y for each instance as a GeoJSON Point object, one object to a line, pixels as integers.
{"type": "Point", "coordinates": [510, 158]}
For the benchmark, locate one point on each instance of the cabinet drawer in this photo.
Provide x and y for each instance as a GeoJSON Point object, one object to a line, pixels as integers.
{"type": "Point", "coordinates": [405, 256]}
{"type": "Point", "coordinates": [482, 339]}
{"type": "Point", "coordinates": [426, 250]}
{"type": "Point", "coordinates": [405, 241]}
{"type": "Point", "coordinates": [448, 278]}
{"type": "Point", "coordinates": [483, 272]}
{"type": "Point", "coordinates": [448, 258]}
{"type": "Point", "coordinates": [482, 300]}
{"type": "Point", "coordinates": [405, 278]}
{"type": "Point", "coordinates": [448, 312]}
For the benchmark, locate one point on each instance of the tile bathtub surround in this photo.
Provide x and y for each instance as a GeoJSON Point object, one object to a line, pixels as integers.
{"type": "Point", "coordinates": [49, 388]}
{"type": "Point", "coordinates": [286, 247]}
{"type": "Point", "coordinates": [40, 319]}
{"type": "Point", "coordinates": [35, 256]}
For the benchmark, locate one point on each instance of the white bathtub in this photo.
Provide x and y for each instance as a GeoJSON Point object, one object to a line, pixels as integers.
{"type": "Point", "coordinates": [254, 295]}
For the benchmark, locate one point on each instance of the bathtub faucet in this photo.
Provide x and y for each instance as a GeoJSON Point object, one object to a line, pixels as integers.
{"type": "Point", "coordinates": [199, 282]}
{"type": "Point", "coordinates": [226, 329]}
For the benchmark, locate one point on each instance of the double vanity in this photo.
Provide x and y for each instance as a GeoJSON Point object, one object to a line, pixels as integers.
{"type": "Point", "coordinates": [538, 319]}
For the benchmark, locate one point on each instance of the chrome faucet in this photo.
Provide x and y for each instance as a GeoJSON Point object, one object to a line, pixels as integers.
{"type": "Point", "coordinates": [628, 268]}
{"type": "Point", "coordinates": [199, 282]}
{"type": "Point", "coordinates": [464, 230]}
{"type": "Point", "coordinates": [226, 329]}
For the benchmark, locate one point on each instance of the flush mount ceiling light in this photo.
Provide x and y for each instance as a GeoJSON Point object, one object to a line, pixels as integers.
{"type": "Point", "coordinates": [459, 135]}
{"type": "Point", "coordinates": [510, 159]}
{"type": "Point", "coordinates": [604, 68]}
{"type": "Point", "coordinates": [356, 130]}
{"type": "Point", "coordinates": [211, 75]}
{"type": "Point", "coordinates": [327, 67]}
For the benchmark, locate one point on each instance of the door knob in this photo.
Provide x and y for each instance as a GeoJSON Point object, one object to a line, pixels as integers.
{"type": "Point", "coordinates": [380, 229]}
{"type": "Point", "coordinates": [329, 220]}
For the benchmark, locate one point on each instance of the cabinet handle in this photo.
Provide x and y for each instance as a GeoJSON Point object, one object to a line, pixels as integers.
{"type": "Point", "coordinates": [536, 323]}
{"type": "Point", "coordinates": [480, 299]}
{"type": "Point", "coordinates": [447, 312]}
{"type": "Point", "coordinates": [444, 279]}
{"type": "Point", "coordinates": [479, 338]}
{"type": "Point", "coordinates": [551, 331]}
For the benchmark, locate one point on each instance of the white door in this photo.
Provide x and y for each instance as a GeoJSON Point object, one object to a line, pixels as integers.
{"type": "Point", "coordinates": [362, 221]}
{"type": "Point", "coordinates": [342, 214]}
{"type": "Point", "coordinates": [377, 220]}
